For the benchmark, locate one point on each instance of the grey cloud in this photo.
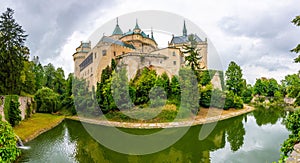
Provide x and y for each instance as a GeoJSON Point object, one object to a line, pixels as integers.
{"type": "Point", "coordinates": [49, 23]}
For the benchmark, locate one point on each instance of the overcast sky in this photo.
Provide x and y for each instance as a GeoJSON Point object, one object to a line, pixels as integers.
{"type": "Point", "coordinates": [256, 34]}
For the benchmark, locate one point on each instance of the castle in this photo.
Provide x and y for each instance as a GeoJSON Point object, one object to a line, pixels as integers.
{"type": "Point", "coordinates": [135, 50]}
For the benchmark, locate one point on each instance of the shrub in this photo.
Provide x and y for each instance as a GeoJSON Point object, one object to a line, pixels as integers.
{"type": "Point", "coordinates": [47, 100]}
{"type": "Point", "coordinates": [14, 112]}
{"type": "Point", "coordinates": [8, 149]}
{"type": "Point", "coordinates": [11, 109]}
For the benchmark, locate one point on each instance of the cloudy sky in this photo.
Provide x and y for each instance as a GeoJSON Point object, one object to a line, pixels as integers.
{"type": "Point", "coordinates": [256, 34]}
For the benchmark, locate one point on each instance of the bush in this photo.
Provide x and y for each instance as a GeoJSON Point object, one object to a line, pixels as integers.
{"type": "Point", "coordinates": [11, 109]}
{"type": "Point", "coordinates": [292, 123]}
{"type": "Point", "coordinates": [14, 112]}
{"type": "Point", "coordinates": [8, 149]}
{"type": "Point", "coordinates": [47, 100]}
{"type": "Point", "coordinates": [205, 96]}
{"type": "Point", "coordinates": [233, 101]}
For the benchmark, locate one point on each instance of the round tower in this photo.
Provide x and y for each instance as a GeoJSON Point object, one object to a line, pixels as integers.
{"type": "Point", "coordinates": [80, 55]}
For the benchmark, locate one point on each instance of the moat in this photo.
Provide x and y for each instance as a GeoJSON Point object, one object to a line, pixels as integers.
{"type": "Point", "coordinates": [252, 137]}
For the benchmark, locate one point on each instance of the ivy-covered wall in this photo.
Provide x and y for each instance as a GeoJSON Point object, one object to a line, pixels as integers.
{"type": "Point", "coordinates": [27, 106]}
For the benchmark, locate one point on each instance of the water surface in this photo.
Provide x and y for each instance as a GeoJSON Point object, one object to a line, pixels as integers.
{"type": "Point", "coordinates": [255, 137]}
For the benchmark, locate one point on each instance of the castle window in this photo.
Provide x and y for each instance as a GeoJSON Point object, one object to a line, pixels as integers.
{"type": "Point", "coordinates": [91, 69]}
{"type": "Point", "coordinates": [160, 61]}
{"type": "Point", "coordinates": [174, 62]}
{"type": "Point", "coordinates": [104, 52]}
{"type": "Point", "coordinates": [95, 55]}
{"type": "Point", "coordinates": [174, 53]}
{"type": "Point", "coordinates": [114, 53]}
{"type": "Point", "coordinates": [123, 53]}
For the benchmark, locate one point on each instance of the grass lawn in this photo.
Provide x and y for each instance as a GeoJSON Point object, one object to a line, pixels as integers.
{"type": "Point", "coordinates": [38, 123]}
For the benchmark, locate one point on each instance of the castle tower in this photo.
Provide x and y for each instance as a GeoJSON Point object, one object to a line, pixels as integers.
{"type": "Point", "coordinates": [117, 33]}
{"type": "Point", "coordinates": [80, 54]}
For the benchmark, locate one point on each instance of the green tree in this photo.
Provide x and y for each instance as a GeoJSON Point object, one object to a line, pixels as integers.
{"type": "Point", "coordinates": [59, 81]}
{"type": "Point", "coordinates": [296, 21]}
{"type": "Point", "coordinates": [120, 89]}
{"type": "Point", "coordinates": [174, 92]}
{"type": "Point", "coordinates": [49, 71]}
{"type": "Point", "coordinates": [143, 85]}
{"type": "Point", "coordinates": [291, 84]}
{"type": "Point", "coordinates": [14, 112]}
{"type": "Point", "coordinates": [189, 90]}
{"type": "Point", "coordinates": [47, 100]}
{"type": "Point", "coordinates": [247, 94]}
{"type": "Point", "coordinates": [192, 57]}
{"type": "Point", "coordinates": [28, 78]}
{"type": "Point", "coordinates": [234, 80]}
{"type": "Point", "coordinates": [13, 53]}
{"type": "Point", "coordinates": [292, 123]}
{"type": "Point", "coordinates": [39, 76]}
{"type": "Point", "coordinates": [260, 87]}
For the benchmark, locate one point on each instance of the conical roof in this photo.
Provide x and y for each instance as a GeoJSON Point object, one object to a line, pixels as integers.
{"type": "Point", "coordinates": [117, 30]}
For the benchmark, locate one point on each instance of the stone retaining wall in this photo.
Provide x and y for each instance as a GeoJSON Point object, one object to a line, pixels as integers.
{"type": "Point", "coordinates": [23, 105]}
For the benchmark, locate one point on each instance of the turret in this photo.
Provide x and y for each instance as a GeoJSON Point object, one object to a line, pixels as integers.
{"type": "Point", "coordinates": [136, 29]}
{"type": "Point", "coordinates": [79, 56]}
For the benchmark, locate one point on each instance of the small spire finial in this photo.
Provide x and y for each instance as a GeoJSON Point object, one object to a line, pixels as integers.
{"type": "Point", "coordinates": [152, 34]}
{"type": "Point", "coordinates": [184, 31]}
{"type": "Point", "coordinates": [117, 21]}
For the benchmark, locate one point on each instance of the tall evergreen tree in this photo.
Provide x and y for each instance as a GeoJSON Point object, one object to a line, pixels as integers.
{"type": "Point", "coordinates": [13, 52]}
{"type": "Point", "coordinates": [234, 80]}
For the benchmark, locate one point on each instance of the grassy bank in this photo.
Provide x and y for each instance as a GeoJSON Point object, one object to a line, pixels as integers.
{"type": "Point", "coordinates": [35, 125]}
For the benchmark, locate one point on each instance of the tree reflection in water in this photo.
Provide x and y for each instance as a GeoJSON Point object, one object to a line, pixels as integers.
{"type": "Point", "coordinates": [269, 115]}
{"type": "Point", "coordinates": [188, 149]}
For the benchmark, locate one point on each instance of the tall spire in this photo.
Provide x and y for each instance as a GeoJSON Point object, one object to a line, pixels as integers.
{"type": "Point", "coordinates": [152, 34]}
{"type": "Point", "coordinates": [136, 28]}
{"type": "Point", "coordinates": [117, 30]}
{"type": "Point", "coordinates": [184, 31]}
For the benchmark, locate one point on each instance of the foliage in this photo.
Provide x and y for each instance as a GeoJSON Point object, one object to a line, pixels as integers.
{"type": "Point", "coordinates": [247, 94]}
{"type": "Point", "coordinates": [175, 90]}
{"type": "Point", "coordinates": [11, 109]}
{"type": "Point", "coordinates": [234, 80]}
{"type": "Point", "coordinates": [266, 87]}
{"type": "Point", "coordinates": [120, 89]}
{"type": "Point", "coordinates": [192, 57]}
{"type": "Point", "coordinates": [291, 84]}
{"type": "Point", "coordinates": [84, 100]}
{"type": "Point", "coordinates": [233, 101]}
{"type": "Point", "coordinates": [189, 90]}
{"type": "Point", "coordinates": [13, 53]}
{"type": "Point", "coordinates": [296, 21]}
{"type": "Point", "coordinates": [67, 97]}
{"type": "Point", "coordinates": [47, 100]}
{"type": "Point", "coordinates": [143, 85]}
{"type": "Point", "coordinates": [8, 149]}
{"type": "Point", "coordinates": [14, 113]}
{"type": "Point", "coordinates": [28, 78]}
{"type": "Point", "coordinates": [292, 123]}
{"type": "Point", "coordinates": [205, 96]}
